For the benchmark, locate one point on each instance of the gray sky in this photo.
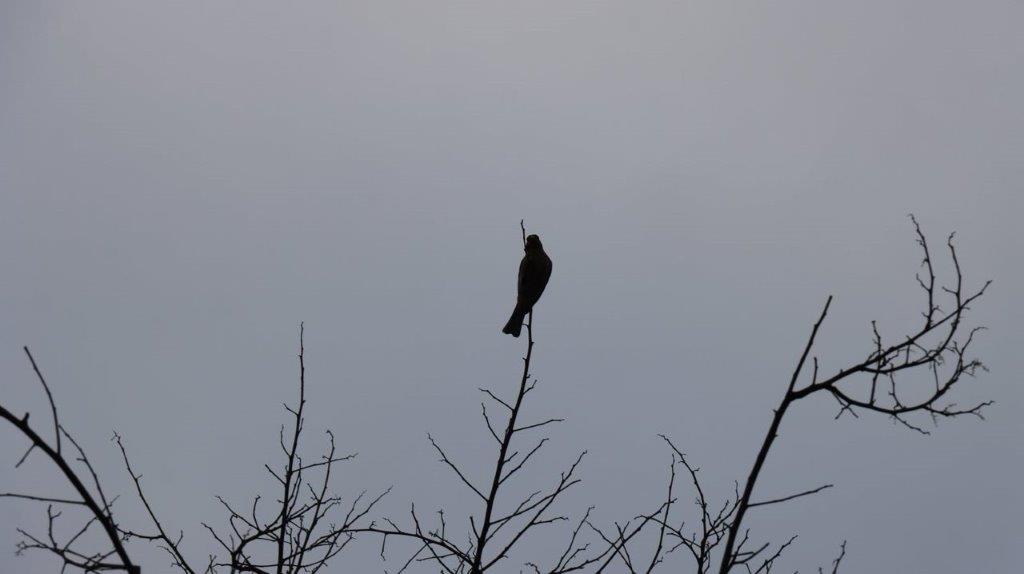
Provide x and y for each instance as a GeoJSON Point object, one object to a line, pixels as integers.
{"type": "Point", "coordinates": [182, 183]}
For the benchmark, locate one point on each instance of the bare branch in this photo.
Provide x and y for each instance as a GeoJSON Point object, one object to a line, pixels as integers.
{"type": "Point", "coordinates": [98, 505]}
{"type": "Point", "coordinates": [790, 497]}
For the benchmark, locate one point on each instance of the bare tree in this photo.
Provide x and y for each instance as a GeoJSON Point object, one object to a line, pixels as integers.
{"type": "Point", "coordinates": [308, 525]}
{"type": "Point", "coordinates": [305, 528]}
{"type": "Point", "coordinates": [500, 527]}
{"type": "Point", "coordinates": [939, 347]}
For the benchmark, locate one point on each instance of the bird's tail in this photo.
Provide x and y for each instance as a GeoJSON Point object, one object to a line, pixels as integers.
{"type": "Point", "coordinates": [515, 322]}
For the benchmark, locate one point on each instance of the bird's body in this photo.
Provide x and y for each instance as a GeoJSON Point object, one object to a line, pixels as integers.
{"type": "Point", "coordinates": [534, 272]}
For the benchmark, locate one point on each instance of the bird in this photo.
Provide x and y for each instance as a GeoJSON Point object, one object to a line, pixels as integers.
{"type": "Point", "coordinates": [534, 272]}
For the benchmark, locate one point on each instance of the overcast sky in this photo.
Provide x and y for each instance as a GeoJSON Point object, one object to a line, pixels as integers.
{"type": "Point", "coordinates": [182, 183]}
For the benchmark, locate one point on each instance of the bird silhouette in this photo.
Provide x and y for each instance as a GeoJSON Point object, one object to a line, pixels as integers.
{"type": "Point", "coordinates": [534, 272]}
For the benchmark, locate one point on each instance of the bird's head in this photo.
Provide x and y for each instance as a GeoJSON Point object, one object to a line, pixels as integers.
{"type": "Point", "coordinates": [533, 242]}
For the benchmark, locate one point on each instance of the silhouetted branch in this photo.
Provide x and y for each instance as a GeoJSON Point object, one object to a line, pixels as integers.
{"type": "Point", "coordinates": [886, 361]}
{"type": "Point", "coordinates": [49, 398]}
{"type": "Point", "coordinates": [837, 561]}
{"type": "Point", "coordinates": [790, 497]}
{"type": "Point", "coordinates": [93, 499]}
{"type": "Point", "coordinates": [473, 556]}
{"type": "Point", "coordinates": [731, 552]}
{"type": "Point", "coordinates": [701, 541]}
{"type": "Point", "coordinates": [169, 545]}
{"type": "Point", "coordinates": [939, 346]}
{"type": "Point", "coordinates": [302, 534]}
